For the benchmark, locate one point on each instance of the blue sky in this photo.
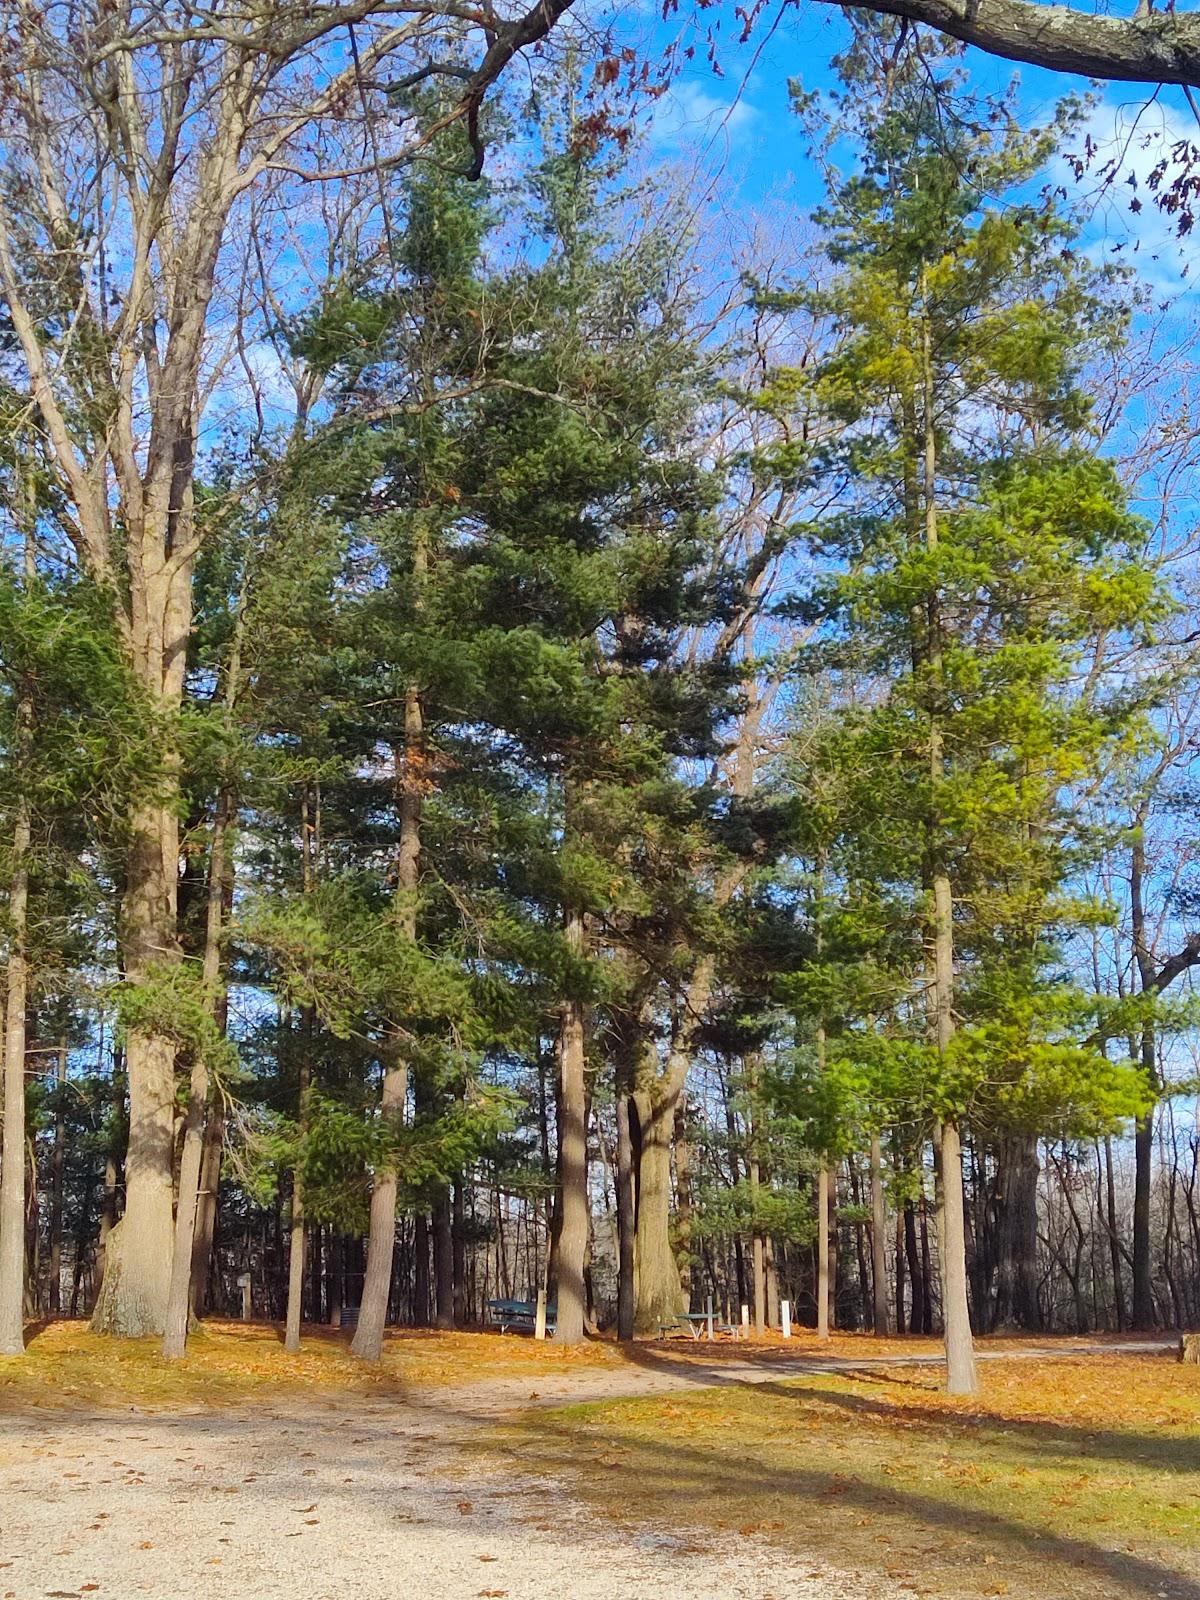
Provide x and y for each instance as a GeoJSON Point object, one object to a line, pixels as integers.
{"type": "Point", "coordinates": [738, 125]}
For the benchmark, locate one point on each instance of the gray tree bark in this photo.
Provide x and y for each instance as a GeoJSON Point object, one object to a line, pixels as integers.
{"type": "Point", "coordinates": [572, 1157]}
{"type": "Point", "coordinates": [879, 1305]}
{"type": "Point", "coordinates": [961, 1377]}
{"type": "Point", "coordinates": [179, 1295]}
{"type": "Point", "coordinates": [1146, 47]}
{"type": "Point", "coordinates": [409, 777]}
{"type": "Point", "coordinates": [57, 1165]}
{"type": "Point", "coordinates": [12, 1173]}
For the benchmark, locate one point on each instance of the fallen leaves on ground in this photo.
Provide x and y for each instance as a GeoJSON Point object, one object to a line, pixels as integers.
{"type": "Point", "coordinates": [1077, 1465]}
{"type": "Point", "coordinates": [66, 1365]}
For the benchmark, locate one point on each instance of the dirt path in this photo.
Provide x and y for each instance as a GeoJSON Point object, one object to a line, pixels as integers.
{"type": "Point", "coordinates": [369, 1498]}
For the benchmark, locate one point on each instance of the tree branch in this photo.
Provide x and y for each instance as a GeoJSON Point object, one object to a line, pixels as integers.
{"type": "Point", "coordinates": [1187, 956]}
{"type": "Point", "coordinates": [1159, 47]}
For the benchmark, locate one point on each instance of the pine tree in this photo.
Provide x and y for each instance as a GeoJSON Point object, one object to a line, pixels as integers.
{"type": "Point", "coordinates": [980, 544]}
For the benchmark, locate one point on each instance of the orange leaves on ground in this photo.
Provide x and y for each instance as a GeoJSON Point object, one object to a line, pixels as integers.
{"type": "Point", "coordinates": [1052, 1470]}
{"type": "Point", "coordinates": [231, 1361]}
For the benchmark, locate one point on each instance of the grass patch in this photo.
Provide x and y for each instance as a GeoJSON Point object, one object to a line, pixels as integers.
{"type": "Point", "coordinates": [1073, 1477]}
{"type": "Point", "coordinates": [66, 1365]}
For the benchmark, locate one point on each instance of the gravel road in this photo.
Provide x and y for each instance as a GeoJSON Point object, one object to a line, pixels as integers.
{"type": "Point", "coordinates": [358, 1501]}
{"type": "Point", "coordinates": [354, 1498]}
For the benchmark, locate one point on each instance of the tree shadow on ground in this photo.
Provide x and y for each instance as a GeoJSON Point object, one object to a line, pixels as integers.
{"type": "Point", "coordinates": [1180, 1453]}
{"type": "Point", "coordinates": [678, 1475]}
{"type": "Point", "coordinates": [1170, 1453]}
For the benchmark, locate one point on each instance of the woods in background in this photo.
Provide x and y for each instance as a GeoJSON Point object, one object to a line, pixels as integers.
{"type": "Point", "coordinates": [532, 762]}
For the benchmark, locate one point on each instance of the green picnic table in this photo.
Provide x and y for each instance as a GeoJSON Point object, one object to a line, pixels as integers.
{"type": "Point", "coordinates": [510, 1315]}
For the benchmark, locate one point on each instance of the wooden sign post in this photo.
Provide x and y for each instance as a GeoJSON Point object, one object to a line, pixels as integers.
{"type": "Point", "coordinates": [539, 1327]}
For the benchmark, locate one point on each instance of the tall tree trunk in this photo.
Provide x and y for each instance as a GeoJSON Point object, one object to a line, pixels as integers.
{"type": "Point", "coordinates": [337, 1279]}
{"type": "Point", "coordinates": [1015, 1229]}
{"type": "Point", "coordinates": [410, 780]}
{"type": "Point", "coordinates": [12, 1153]}
{"type": "Point", "coordinates": [773, 1319]}
{"type": "Point", "coordinates": [626, 1216]}
{"type": "Point", "coordinates": [80, 1265]}
{"type": "Point", "coordinates": [57, 1163]}
{"type": "Point", "coordinates": [572, 1228]}
{"type": "Point", "coordinates": [683, 1200]}
{"type": "Point", "coordinates": [917, 1314]}
{"type": "Point", "coordinates": [297, 1252]}
{"type": "Point", "coordinates": [421, 1270]}
{"type": "Point", "coordinates": [660, 1295]}
{"type": "Point", "coordinates": [179, 1298]}
{"type": "Point", "coordinates": [879, 1300]}
{"type": "Point", "coordinates": [823, 1252]}
{"type": "Point", "coordinates": [443, 1259]}
{"type": "Point", "coordinates": [206, 1207]}
{"type": "Point", "coordinates": [732, 1139]}
{"type": "Point", "coordinates": [1143, 1139]}
{"type": "Point", "coordinates": [758, 1263]}
{"type": "Point", "coordinates": [865, 1289]}
{"type": "Point", "coordinates": [113, 1162]}
{"type": "Point", "coordinates": [12, 1173]}
{"type": "Point", "coordinates": [459, 1238]}
{"type": "Point", "coordinates": [1142, 1318]}
{"type": "Point", "coordinates": [138, 1251]}
{"type": "Point", "coordinates": [961, 1377]}
{"type": "Point", "coordinates": [208, 1200]}
{"type": "Point", "coordinates": [1114, 1241]}
{"type": "Point", "coordinates": [900, 1274]}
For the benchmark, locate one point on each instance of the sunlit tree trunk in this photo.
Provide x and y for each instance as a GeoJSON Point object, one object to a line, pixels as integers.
{"type": "Point", "coordinates": [824, 1286]}
{"type": "Point", "coordinates": [660, 1295]}
{"type": "Point", "coordinates": [1114, 1239]}
{"type": "Point", "coordinates": [961, 1376]}
{"type": "Point", "coordinates": [206, 1207]}
{"type": "Point", "coordinates": [191, 1162]}
{"type": "Point", "coordinates": [57, 1163]}
{"type": "Point", "coordinates": [572, 1156]}
{"type": "Point", "coordinates": [12, 1173]}
{"type": "Point", "coordinates": [626, 1215]}
{"type": "Point", "coordinates": [298, 1248]}
{"type": "Point", "coordinates": [410, 780]}
{"type": "Point", "coordinates": [879, 1301]}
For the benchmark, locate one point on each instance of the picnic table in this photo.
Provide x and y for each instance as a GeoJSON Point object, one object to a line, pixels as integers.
{"type": "Point", "coordinates": [699, 1324]}
{"type": "Point", "coordinates": [519, 1315]}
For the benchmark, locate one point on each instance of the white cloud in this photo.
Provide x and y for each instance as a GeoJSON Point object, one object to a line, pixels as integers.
{"type": "Point", "coordinates": [1128, 141]}
{"type": "Point", "coordinates": [689, 116]}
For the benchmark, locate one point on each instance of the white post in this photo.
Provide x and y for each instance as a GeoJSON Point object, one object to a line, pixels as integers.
{"type": "Point", "coordinates": [244, 1286]}
{"type": "Point", "coordinates": [539, 1330]}
{"type": "Point", "coordinates": [745, 1322]}
{"type": "Point", "coordinates": [709, 1318]}
{"type": "Point", "coordinates": [785, 1318]}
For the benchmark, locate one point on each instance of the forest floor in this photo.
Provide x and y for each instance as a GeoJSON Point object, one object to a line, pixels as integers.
{"type": "Point", "coordinates": [473, 1465]}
